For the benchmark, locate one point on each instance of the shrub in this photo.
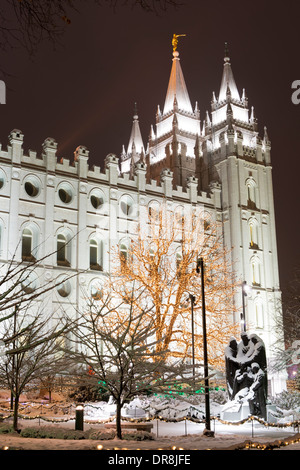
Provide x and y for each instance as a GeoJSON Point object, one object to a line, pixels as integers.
{"type": "Point", "coordinates": [53, 433]}
{"type": "Point", "coordinates": [287, 400]}
{"type": "Point", "coordinates": [138, 436]}
{"type": "Point", "coordinates": [6, 428]}
{"type": "Point", "coordinates": [49, 432]}
{"type": "Point", "coordinates": [88, 393]}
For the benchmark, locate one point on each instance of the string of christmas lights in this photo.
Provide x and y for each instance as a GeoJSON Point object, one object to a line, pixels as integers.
{"type": "Point", "coordinates": [192, 419]}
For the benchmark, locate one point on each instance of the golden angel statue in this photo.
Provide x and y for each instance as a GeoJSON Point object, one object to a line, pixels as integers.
{"type": "Point", "coordinates": [175, 40]}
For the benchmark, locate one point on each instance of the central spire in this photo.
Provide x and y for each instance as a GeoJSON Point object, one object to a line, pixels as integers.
{"type": "Point", "coordinates": [177, 87]}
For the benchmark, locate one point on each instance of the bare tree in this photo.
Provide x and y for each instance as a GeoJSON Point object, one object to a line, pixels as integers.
{"type": "Point", "coordinates": [291, 308]}
{"type": "Point", "coordinates": [32, 342]}
{"type": "Point", "coordinates": [30, 332]}
{"type": "Point", "coordinates": [286, 351]}
{"type": "Point", "coordinates": [117, 343]}
{"type": "Point", "coordinates": [27, 23]}
{"type": "Point", "coordinates": [22, 283]}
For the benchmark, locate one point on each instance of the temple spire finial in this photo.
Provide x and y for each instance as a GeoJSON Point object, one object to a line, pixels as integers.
{"type": "Point", "coordinates": [226, 52]}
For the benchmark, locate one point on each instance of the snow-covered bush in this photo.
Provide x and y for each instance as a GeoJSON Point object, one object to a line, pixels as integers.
{"type": "Point", "coordinates": [49, 432]}
{"type": "Point", "coordinates": [137, 435]}
{"type": "Point", "coordinates": [102, 434]}
{"type": "Point", "coordinates": [287, 405]}
{"type": "Point", "coordinates": [287, 400]}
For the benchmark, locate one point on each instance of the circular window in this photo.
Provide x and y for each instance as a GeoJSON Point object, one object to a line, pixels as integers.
{"type": "Point", "coordinates": [127, 206]}
{"type": "Point", "coordinates": [65, 194]}
{"type": "Point", "coordinates": [2, 179]}
{"type": "Point", "coordinates": [29, 284]}
{"type": "Point", "coordinates": [32, 186]}
{"type": "Point", "coordinates": [96, 201]}
{"type": "Point", "coordinates": [96, 291]}
{"type": "Point", "coordinates": [31, 189]}
{"type": "Point", "coordinates": [64, 288]}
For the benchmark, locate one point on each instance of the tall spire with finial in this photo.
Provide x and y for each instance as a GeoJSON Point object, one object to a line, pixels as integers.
{"type": "Point", "coordinates": [135, 137]}
{"type": "Point", "coordinates": [177, 86]}
{"type": "Point", "coordinates": [135, 147]}
{"type": "Point", "coordinates": [228, 81]}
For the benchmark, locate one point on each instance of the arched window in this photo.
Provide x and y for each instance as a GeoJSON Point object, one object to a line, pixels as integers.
{"type": "Point", "coordinates": [251, 193]}
{"type": "Point", "coordinates": [153, 212]}
{"type": "Point", "coordinates": [178, 264]}
{"type": "Point", "coordinates": [259, 313]}
{"type": "Point", "coordinates": [96, 255]}
{"type": "Point", "coordinates": [253, 233]}
{"type": "Point", "coordinates": [63, 249]}
{"type": "Point", "coordinates": [206, 221]}
{"type": "Point", "coordinates": [123, 254]}
{"type": "Point", "coordinates": [255, 271]}
{"type": "Point", "coordinates": [179, 222]}
{"type": "Point", "coordinates": [27, 245]}
{"type": "Point", "coordinates": [151, 259]}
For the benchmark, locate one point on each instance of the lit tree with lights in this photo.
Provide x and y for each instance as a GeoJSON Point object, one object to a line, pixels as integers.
{"type": "Point", "coordinates": [162, 259]}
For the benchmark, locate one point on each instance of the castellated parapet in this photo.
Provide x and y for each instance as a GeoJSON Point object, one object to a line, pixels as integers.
{"type": "Point", "coordinates": [58, 198]}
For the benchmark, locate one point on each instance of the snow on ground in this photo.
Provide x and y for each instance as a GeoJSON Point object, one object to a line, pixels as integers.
{"type": "Point", "coordinates": [184, 434]}
{"type": "Point", "coordinates": [169, 435]}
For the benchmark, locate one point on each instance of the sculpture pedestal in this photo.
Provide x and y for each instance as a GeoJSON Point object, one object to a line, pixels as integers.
{"type": "Point", "coordinates": [270, 417]}
{"type": "Point", "coordinates": [236, 412]}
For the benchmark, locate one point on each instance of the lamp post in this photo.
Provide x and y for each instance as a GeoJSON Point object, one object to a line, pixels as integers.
{"type": "Point", "coordinates": [245, 289]}
{"type": "Point", "coordinates": [207, 431]}
{"type": "Point", "coordinates": [79, 418]}
{"type": "Point", "coordinates": [193, 301]}
{"type": "Point", "coordinates": [13, 360]}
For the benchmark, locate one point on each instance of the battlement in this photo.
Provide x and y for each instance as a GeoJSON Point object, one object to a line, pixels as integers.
{"type": "Point", "coordinates": [40, 165]}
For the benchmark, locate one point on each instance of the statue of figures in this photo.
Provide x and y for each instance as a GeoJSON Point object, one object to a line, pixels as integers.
{"type": "Point", "coordinates": [257, 394]}
{"type": "Point", "coordinates": [243, 378]}
{"type": "Point", "coordinates": [231, 364]}
{"type": "Point", "coordinates": [245, 348]}
{"type": "Point", "coordinates": [259, 356]}
{"type": "Point", "coordinates": [242, 381]}
{"type": "Point", "coordinates": [175, 40]}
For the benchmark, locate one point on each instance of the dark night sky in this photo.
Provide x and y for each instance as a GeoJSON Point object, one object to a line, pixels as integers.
{"type": "Point", "coordinates": [83, 92]}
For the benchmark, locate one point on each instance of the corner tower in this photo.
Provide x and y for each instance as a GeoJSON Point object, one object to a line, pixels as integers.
{"type": "Point", "coordinates": [239, 158]}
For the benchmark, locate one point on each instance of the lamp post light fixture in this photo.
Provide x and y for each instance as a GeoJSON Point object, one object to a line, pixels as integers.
{"type": "Point", "coordinates": [207, 431]}
{"type": "Point", "coordinates": [245, 290]}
